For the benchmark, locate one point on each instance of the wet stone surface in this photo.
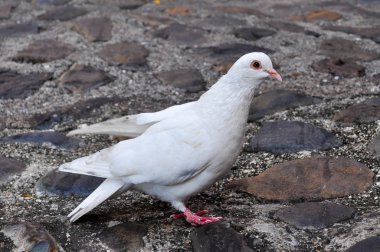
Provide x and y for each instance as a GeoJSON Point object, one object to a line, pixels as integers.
{"type": "Point", "coordinates": [8, 168]}
{"type": "Point", "coordinates": [15, 85]}
{"type": "Point", "coordinates": [314, 215]}
{"type": "Point", "coordinates": [50, 138]}
{"type": "Point", "coordinates": [278, 100]}
{"type": "Point", "coordinates": [41, 51]}
{"type": "Point", "coordinates": [94, 29]}
{"type": "Point", "coordinates": [322, 178]}
{"type": "Point", "coordinates": [188, 79]}
{"type": "Point", "coordinates": [217, 237]}
{"type": "Point", "coordinates": [284, 136]}
{"type": "Point", "coordinates": [125, 53]}
{"type": "Point", "coordinates": [66, 184]}
{"type": "Point", "coordinates": [84, 78]}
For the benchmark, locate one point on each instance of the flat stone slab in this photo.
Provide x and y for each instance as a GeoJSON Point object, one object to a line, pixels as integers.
{"type": "Point", "coordinates": [30, 236]}
{"type": "Point", "coordinates": [44, 50]}
{"type": "Point", "coordinates": [49, 138]}
{"type": "Point", "coordinates": [278, 100]}
{"type": "Point", "coordinates": [371, 244]}
{"type": "Point", "coordinates": [81, 78]}
{"type": "Point", "coordinates": [314, 215]}
{"type": "Point", "coordinates": [94, 29]}
{"type": "Point", "coordinates": [63, 13]}
{"type": "Point", "coordinates": [6, 10]}
{"type": "Point", "coordinates": [125, 53]}
{"type": "Point", "coordinates": [182, 34]}
{"type": "Point", "coordinates": [308, 179]}
{"type": "Point", "coordinates": [326, 15]}
{"type": "Point", "coordinates": [125, 237]}
{"type": "Point", "coordinates": [67, 184]}
{"type": "Point", "coordinates": [338, 67]}
{"type": "Point", "coordinates": [124, 4]}
{"type": "Point", "coordinates": [189, 79]}
{"type": "Point", "coordinates": [14, 85]}
{"type": "Point", "coordinates": [76, 111]}
{"type": "Point", "coordinates": [286, 26]}
{"type": "Point", "coordinates": [51, 2]}
{"type": "Point", "coordinates": [292, 136]}
{"type": "Point", "coordinates": [13, 30]}
{"type": "Point", "coordinates": [365, 32]}
{"type": "Point", "coordinates": [8, 168]}
{"type": "Point", "coordinates": [374, 146]}
{"type": "Point", "coordinates": [364, 112]}
{"type": "Point", "coordinates": [217, 237]}
{"type": "Point", "coordinates": [346, 50]}
{"type": "Point", "coordinates": [252, 33]}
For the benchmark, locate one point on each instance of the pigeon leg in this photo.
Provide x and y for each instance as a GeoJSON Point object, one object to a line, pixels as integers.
{"type": "Point", "coordinates": [196, 218]}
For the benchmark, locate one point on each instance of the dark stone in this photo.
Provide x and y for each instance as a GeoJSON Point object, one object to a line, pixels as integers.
{"type": "Point", "coordinates": [314, 215]}
{"type": "Point", "coordinates": [94, 29]}
{"type": "Point", "coordinates": [76, 111]}
{"type": "Point", "coordinates": [19, 29]}
{"type": "Point", "coordinates": [371, 244]}
{"type": "Point", "coordinates": [125, 237]}
{"type": "Point", "coordinates": [29, 236]}
{"type": "Point", "coordinates": [63, 13]}
{"type": "Point", "coordinates": [234, 9]}
{"type": "Point", "coordinates": [55, 139]}
{"type": "Point", "coordinates": [326, 15]}
{"type": "Point", "coordinates": [45, 50]}
{"type": "Point", "coordinates": [312, 33]}
{"type": "Point", "coordinates": [278, 100]}
{"type": "Point", "coordinates": [51, 2]}
{"type": "Point", "coordinates": [374, 146]}
{"type": "Point", "coordinates": [152, 21]}
{"type": "Point", "coordinates": [284, 26]}
{"type": "Point", "coordinates": [292, 136]}
{"type": "Point", "coordinates": [182, 34]}
{"type": "Point", "coordinates": [66, 184]}
{"type": "Point", "coordinates": [346, 50]}
{"type": "Point", "coordinates": [8, 168]}
{"type": "Point", "coordinates": [338, 67]}
{"type": "Point", "coordinates": [124, 4]}
{"type": "Point", "coordinates": [6, 10]}
{"type": "Point", "coordinates": [252, 33]}
{"type": "Point", "coordinates": [220, 21]}
{"type": "Point", "coordinates": [308, 179]}
{"type": "Point", "coordinates": [364, 112]}
{"type": "Point", "coordinates": [365, 32]}
{"type": "Point", "coordinates": [217, 237]}
{"type": "Point", "coordinates": [125, 53]}
{"type": "Point", "coordinates": [15, 85]}
{"type": "Point", "coordinates": [80, 78]}
{"type": "Point", "coordinates": [190, 79]}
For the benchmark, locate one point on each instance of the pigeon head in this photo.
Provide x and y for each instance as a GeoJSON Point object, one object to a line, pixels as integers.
{"type": "Point", "coordinates": [254, 66]}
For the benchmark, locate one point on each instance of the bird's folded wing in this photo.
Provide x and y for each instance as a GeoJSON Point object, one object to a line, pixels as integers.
{"type": "Point", "coordinates": [133, 125]}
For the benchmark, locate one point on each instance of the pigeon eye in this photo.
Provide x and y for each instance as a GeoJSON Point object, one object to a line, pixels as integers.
{"type": "Point", "coordinates": [256, 64]}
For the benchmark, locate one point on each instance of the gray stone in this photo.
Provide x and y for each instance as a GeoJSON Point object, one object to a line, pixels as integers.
{"type": "Point", "coordinates": [8, 168]}
{"type": "Point", "coordinates": [125, 237]}
{"type": "Point", "coordinates": [285, 26]}
{"type": "Point", "coordinates": [278, 100]}
{"type": "Point", "coordinates": [63, 13]}
{"type": "Point", "coordinates": [252, 33]}
{"type": "Point", "coordinates": [51, 138]}
{"type": "Point", "coordinates": [51, 2]}
{"type": "Point", "coordinates": [80, 78]}
{"type": "Point", "coordinates": [217, 237]}
{"type": "Point", "coordinates": [374, 146]}
{"type": "Point", "coordinates": [44, 50]}
{"type": "Point", "coordinates": [314, 215]}
{"type": "Point", "coordinates": [13, 30]}
{"type": "Point", "coordinates": [292, 136]}
{"type": "Point", "coordinates": [94, 29]}
{"type": "Point", "coordinates": [371, 244]}
{"type": "Point", "coordinates": [182, 34]}
{"type": "Point", "coordinates": [28, 236]}
{"type": "Point", "coordinates": [15, 85]}
{"type": "Point", "coordinates": [364, 112]}
{"type": "Point", "coordinates": [125, 53]}
{"type": "Point", "coordinates": [308, 179]}
{"type": "Point", "coordinates": [365, 32]}
{"type": "Point", "coordinates": [189, 79]}
{"type": "Point", "coordinates": [6, 10]}
{"type": "Point", "coordinates": [67, 184]}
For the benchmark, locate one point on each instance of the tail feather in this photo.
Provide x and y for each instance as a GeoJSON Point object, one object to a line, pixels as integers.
{"type": "Point", "coordinates": [103, 192]}
{"type": "Point", "coordinates": [123, 126]}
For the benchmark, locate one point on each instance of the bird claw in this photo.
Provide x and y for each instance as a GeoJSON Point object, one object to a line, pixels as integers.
{"type": "Point", "coordinates": [196, 218]}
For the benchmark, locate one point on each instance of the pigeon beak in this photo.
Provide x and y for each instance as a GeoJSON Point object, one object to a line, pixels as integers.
{"type": "Point", "coordinates": [273, 73]}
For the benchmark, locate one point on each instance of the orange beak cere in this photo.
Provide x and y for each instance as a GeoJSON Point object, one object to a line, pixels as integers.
{"type": "Point", "coordinates": [273, 73]}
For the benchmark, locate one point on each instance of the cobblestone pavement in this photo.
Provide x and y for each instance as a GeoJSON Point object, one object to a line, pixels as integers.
{"type": "Point", "coordinates": [307, 179]}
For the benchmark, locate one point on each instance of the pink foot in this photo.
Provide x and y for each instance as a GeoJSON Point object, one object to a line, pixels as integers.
{"type": "Point", "coordinates": [196, 218]}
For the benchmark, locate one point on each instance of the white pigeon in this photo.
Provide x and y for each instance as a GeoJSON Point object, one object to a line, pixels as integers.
{"type": "Point", "coordinates": [179, 151]}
